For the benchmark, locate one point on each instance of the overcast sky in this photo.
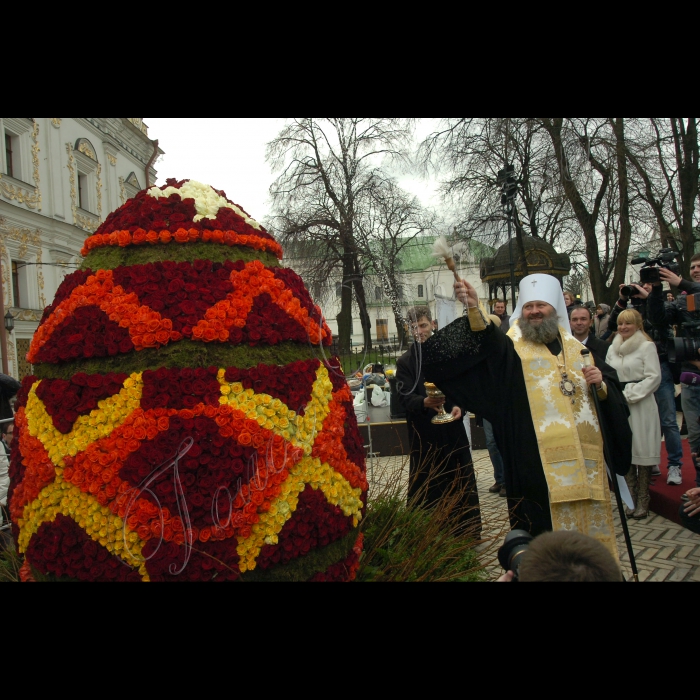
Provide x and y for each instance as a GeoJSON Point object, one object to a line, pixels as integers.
{"type": "Point", "coordinates": [229, 154]}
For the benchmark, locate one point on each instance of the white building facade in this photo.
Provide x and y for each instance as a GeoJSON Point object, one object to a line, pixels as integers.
{"type": "Point", "coordinates": [59, 179]}
{"type": "Point", "coordinates": [424, 281]}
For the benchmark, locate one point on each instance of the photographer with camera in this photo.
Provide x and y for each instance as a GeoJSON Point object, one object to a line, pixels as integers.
{"type": "Point", "coordinates": [661, 332]}
{"type": "Point", "coordinates": [684, 350]}
{"type": "Point", "coordinates": [560, 556]}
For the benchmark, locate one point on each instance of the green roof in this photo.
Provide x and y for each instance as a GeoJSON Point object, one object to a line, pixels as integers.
{"type": "Point", "coordinates": [417, 254]}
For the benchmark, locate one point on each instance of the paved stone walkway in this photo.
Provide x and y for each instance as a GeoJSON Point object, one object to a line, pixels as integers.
{"type": "Point", "coordinates": [664, 551]}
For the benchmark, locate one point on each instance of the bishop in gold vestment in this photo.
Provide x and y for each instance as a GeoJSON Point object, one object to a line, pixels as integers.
{"type": "Point", "coordinates": [537, 398]}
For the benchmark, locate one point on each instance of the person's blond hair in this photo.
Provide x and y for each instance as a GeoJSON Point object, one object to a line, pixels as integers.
{"type": "Point", "coordinates": [633, 316]}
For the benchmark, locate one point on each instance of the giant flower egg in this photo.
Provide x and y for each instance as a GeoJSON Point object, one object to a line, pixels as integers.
{"type": "Point", "coordinates": [185, 420]}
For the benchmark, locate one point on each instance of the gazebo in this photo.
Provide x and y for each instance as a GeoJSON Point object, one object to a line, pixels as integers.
{"type": "Point", "coordinates": [540, 257]}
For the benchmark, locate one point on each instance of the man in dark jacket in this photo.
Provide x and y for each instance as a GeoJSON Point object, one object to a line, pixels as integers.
{"type": "Point", "coordinates": [499, 309]}
{"type": "Point", "coordinates": [687, 324]}
{"type": "Point", "coordinates": [581, 329]}
{"type": "Point", "coordinates": [660, 331]}
{"type": "Point", "coordinates": [440, 459]}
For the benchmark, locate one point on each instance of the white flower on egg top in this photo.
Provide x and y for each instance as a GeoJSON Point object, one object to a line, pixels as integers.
{"type": "Point", "coordinates": [207, 202]}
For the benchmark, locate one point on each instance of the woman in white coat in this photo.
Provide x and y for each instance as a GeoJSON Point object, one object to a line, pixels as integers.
{"type": "Point", "coordinates": [633, 354]}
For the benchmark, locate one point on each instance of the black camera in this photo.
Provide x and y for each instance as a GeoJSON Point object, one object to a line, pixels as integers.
{"type": "Point", "coordinates": [649, 271]}
{"type": "Point", "coordinates": [514, 546]}
{"type": "Point", "coordinates": [628, 290]}
{"type": "Point", "coordinates": [686, 347]}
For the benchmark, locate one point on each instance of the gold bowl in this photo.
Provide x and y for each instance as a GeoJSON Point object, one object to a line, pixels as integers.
{"type": "Point", "coordinates": [442, 416]}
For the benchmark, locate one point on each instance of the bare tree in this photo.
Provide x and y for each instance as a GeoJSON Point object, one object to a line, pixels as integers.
{"type": "Point", "coordinates": [470, 152]}
{"type": "Point", "coordinates": [663, 153]}
{"type": "Point", "coordinates": [325, 166]}
{"type": "Point", "coordinates": [392, 219]}
{"type": "Point", "coordinates": [576, 187]}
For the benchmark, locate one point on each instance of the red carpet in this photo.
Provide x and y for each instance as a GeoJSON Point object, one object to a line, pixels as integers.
{"type": "Point", "coordinates": [666, 498]}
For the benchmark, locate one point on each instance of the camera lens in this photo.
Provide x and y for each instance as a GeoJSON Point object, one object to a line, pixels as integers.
{"type": "Point", "coordinates": [683, 349]}
{"type": "Point", "coordinates": [628, 291]}
{"type": "Point", "coordinates": [515, 543]}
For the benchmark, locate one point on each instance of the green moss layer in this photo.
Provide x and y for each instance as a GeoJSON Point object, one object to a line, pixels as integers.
{"type": "Point", "coordinates": [109, 257]}
{"type": "Point", "coordinates": [303, 568]}
{"type": "Point", "coordinates": [184, 353]}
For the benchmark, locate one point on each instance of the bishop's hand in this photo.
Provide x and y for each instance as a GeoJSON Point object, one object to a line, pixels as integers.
{"type": "Point", "coordinates": [592, 375]}
{"type": "Point", "coordinates": [466, 294]}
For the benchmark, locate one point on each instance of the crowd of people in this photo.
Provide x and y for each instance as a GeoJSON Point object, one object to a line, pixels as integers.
{"type": "Point", "coordinates": [523, 377]}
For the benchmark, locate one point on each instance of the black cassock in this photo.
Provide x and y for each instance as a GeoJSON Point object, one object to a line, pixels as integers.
{"type": "Point", "coordinates": [481, 371]}
{"type": "Point", "coordinates": [440, 457]}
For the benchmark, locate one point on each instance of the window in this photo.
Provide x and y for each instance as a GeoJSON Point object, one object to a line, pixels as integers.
{"type": "Point", "coordinates": [382, 330]}
{"type": "Point", "coordinates": [420, 291]}
{"type": "Point", "coordinates": [11, 153]}
{"type": "Point", "coordinates": [20, 288]}
{"type": "Point", "coordinates": [377, 293]}
{"type": "Point", "coordinates": [15, 285]}
{"type": "Point", "coordinates": [16, 137]}
{"type": "Point", "coordinates": [83, 197]}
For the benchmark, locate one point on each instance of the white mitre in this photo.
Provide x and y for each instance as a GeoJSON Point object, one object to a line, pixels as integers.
{"type": "Point", "coordinates": [542, 288]}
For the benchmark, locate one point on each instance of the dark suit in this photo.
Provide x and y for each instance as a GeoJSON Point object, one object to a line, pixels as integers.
{"type": "Point", "coordinates": [598, 348]}
{"type": "Point", "coordinates": [440, 458]}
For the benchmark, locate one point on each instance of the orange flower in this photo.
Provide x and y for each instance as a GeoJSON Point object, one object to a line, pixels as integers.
{"type": "Point", "coordinates": [245, 438]}
{"type": "Point", "coordinates": [152, 237]}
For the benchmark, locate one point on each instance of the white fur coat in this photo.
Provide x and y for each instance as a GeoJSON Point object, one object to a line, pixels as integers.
{"type": "Point", "coordinates": [637, 361]}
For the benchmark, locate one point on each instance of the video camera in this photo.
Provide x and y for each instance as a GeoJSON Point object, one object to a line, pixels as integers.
{"type": "Point", "coordinates": [686, 347]}
{"type": "Point", "coordinates": [649, 271]}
